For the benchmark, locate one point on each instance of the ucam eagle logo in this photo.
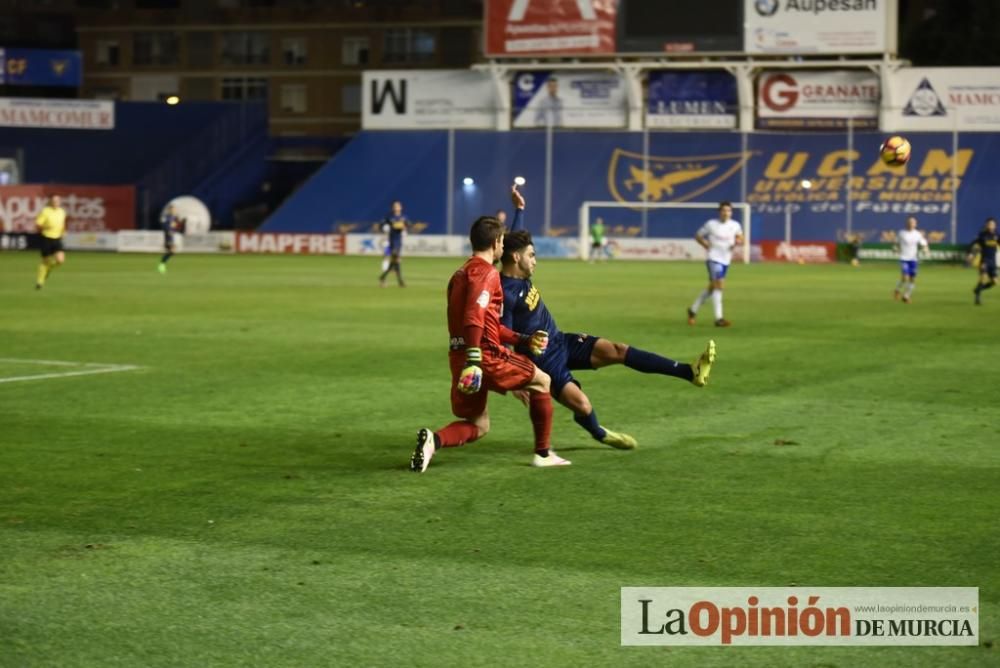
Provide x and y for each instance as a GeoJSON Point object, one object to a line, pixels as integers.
{"type": "Point", "coordinates": [633, 178]}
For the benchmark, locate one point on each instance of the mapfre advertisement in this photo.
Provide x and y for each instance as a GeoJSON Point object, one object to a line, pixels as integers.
{"type": "Point", "coordinates": [944, 98]}
{"type": "Point", "coordinates": [427, 99]}
{"type": "Point", "coordinates": [88, 208]}
{"type": "Point", "coordinates": [817, 100]}
{"type": "Point", "coordinates": [570, 100]}
{"type": "Point", "coordinates": [549, 27]}
{"type": "Point", "coordinates": [819, 26]}
{"type": "Point", "coordinates": [290, 244]}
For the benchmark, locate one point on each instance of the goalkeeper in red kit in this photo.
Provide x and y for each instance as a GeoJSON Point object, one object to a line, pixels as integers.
{"type": "Point", "coordinates": [480, 360]}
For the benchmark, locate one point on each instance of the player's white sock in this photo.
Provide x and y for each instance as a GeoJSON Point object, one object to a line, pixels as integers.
{"type": "Point", "coordinates": [385, 264]}
{"type": "Point", "coordinates": [717, 303]}
{"type": "Point", "coordinates": [700, 300]}
{"type": "Point", "coordinates": [909, 289]}
{"type": "Point", "coordinates": [899, 286]}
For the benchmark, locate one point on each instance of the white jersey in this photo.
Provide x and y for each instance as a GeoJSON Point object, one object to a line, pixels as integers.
{"type": "Point", "coordinates": [910, 242]}
{"type": "Point", "coordinates": [721, 238]}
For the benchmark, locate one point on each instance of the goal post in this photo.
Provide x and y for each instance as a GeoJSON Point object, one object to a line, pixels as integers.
{"type": "Point", "coordinates": [741, 214]}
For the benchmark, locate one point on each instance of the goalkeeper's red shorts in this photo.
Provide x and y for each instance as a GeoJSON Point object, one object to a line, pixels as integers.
{"type": "Point", "coordinates": [502, 372]}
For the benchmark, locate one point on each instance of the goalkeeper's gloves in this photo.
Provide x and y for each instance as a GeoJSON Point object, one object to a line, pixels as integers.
{"type": "Point", "coordinates": [537, 343]}
{"type": "Point", "coordinates": [471, 378]}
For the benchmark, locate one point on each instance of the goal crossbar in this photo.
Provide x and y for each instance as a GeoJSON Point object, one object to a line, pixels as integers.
{"type": "Point", "coordinates": [591, 204]}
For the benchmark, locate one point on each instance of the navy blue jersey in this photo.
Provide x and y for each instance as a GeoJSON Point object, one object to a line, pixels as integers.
{"type": "Point", "coordinates": [394, 226]}
{"type": "Point", "coordinates": [987, 242]}
{"type": "Point", "coordinates": [170, 223]}
{"type": "Point", "coordinates": [524, 311]}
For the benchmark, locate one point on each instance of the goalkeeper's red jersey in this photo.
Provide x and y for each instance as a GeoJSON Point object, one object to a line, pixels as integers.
{"type": "Point", "coordinates": [475, 299]}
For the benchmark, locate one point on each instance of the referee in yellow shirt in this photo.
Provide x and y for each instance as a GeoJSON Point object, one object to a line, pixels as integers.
{"type": "Point", "coordinates": [51, 224]}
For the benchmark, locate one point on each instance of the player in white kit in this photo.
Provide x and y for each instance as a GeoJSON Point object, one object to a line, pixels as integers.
{"type": "Point", "coordinates": [719, 236]}
{"type": "Point", "coordinates": [909, 242]}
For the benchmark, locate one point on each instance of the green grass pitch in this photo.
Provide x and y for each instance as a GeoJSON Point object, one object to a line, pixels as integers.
{"type": "Point", "coordinates": [242, 498]}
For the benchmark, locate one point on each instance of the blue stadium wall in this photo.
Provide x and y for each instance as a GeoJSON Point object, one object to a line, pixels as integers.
{"type": "Point", "coordinates": [355, 188]}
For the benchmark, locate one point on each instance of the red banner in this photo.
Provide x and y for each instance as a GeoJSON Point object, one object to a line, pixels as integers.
{"type": "Point", "coordinates": [798, 251]}
{"type": "Point", "coordinates": [88, 208]}
{"type": "Point", "coordinates": [549, 27]}
{"type": "Point", "coordinates": [300, 244]}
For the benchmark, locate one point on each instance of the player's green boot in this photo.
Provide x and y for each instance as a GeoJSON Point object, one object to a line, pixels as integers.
{"type": "Point", "coordinates": [702, 367]}
{"type": "Point", "coordinates": [162, 268]}
{"type": "Point", "coordinates": [620, 441]}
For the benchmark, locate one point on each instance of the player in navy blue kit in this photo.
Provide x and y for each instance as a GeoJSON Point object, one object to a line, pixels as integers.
{"type": "Point", "coordinates": [395, 227]}
{"type": "Point", "coordinates": [171, 224]}
{"type": "Point", "coordinates": [987, 244]}
{"type": "Point", "coordinates": [524, 311]}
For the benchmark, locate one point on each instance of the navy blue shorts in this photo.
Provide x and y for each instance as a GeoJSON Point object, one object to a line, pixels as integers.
{"type": "Point", "coordinates": [988, 268]}
{"type": "Point", "coordinates": [566, 352]}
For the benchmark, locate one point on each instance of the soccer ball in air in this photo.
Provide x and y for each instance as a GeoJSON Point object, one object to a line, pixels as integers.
{"type": "Point", "coordinates": [895, 151]}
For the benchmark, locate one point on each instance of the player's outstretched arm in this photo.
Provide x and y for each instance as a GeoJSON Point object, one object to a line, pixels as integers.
{"type": "Point", "coordinates": [517, 199]}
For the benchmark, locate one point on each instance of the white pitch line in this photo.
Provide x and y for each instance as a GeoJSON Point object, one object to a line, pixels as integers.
{"type": "Point", "coordinates": [95, 368]}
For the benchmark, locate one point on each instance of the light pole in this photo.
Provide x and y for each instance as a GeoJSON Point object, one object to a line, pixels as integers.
{"type": "Point", "coordinates": [805, 184]}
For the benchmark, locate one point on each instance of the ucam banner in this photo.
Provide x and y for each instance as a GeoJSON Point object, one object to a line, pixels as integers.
{"type": "Point", "coordinates": [817, 100]}
{"type": "Point", "coordinates": [691, 100]}
{"type": "Point", "coordinates": [40, 67]}
{"type": "Point", "coordinates": [835, 27]}
{"type": "Point", "coordinates": [571, 100]}
{"type": "Point", "coordinates": [944, 98]}
{"type": "Point", "coordinates": [30, 112]}
{"type": "Point", "coordinates": [549, 27]}
{"type": "Point", "coordinates": [427, 99]}
{"type": "Point", "coordinates": [88, 208]}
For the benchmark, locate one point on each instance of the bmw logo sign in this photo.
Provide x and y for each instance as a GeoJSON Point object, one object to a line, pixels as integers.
{"type": "Point", "coordinates": [766, 7]}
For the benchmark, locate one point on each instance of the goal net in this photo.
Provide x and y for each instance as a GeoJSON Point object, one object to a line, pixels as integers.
{"type": "Point", "coordinates": [626, 223]}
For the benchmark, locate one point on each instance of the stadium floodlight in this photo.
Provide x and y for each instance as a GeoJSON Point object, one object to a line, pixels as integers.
{"type": "Point", "coordinates": [518, 180]}
{"type": "Point", "coordinates": [468, 181]}
{"type": "Point", "coordinates": [671, 217]}
{"type": "Point", "coordinates": [172, 100]}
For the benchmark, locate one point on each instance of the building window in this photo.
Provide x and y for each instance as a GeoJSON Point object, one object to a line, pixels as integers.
{"type": "Point", "coordinates": [107, 51]}
{"type": "Point", "coordinates": [200, 48]}
{"type": "Point", "coordinates": [294, 98]}
{"type": "Point", "coordinates": [244, 88]}
{"type": "Point", "coordinates": [354, 51]}
{"type": "Point", "coordinates": [409, 45]}
{"type": "Point", "coordinates": [293, 50]}
{"type": "Point", "coordinates": [154, 48]}
{"type": "Point", "coordinates": [246, 48]}
{"type": "Point", "coordinates": [350, 99]}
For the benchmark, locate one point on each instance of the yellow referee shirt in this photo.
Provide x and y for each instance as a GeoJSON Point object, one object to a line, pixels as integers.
{"type": "Point", "coordinates": [52, 222]}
